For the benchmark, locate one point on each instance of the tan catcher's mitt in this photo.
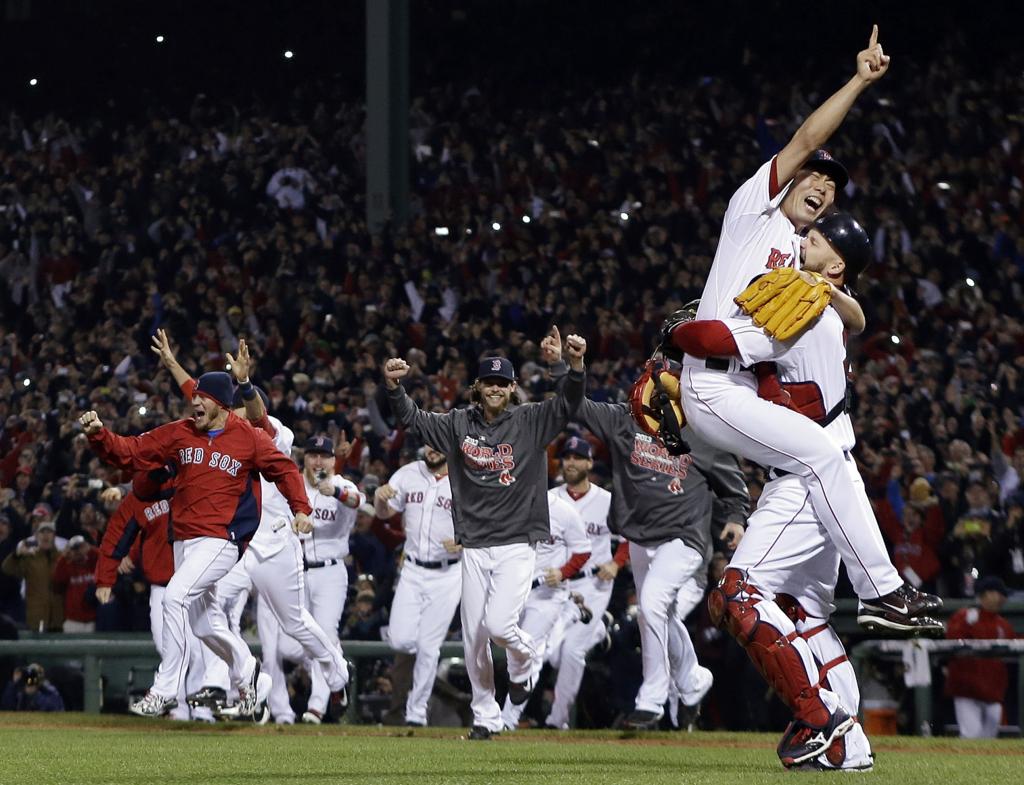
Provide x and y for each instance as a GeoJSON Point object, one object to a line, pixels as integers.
{"type": "Point", "coordinates": [783, 304]}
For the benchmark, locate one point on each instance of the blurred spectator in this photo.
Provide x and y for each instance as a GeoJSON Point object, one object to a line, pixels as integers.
{"type": "Point", "coordinates": [11, 602]}
{"type": "Point", "coordinates": [74, 577]}
{"type": "Point", "coordinates": [978, 685]}
{"type": "Point", "coordinates": [364, 620]}
{"type": "Point", "coordinates": [1006, 558]}
{"type": "Point", "coordinates": [33, 560]}
{"type": "Point", "coordinates": [29, 690]}
{"type": "Point", "coordinates": [370, 554]}
{"type": "Point", "coordinates": [915, 531]}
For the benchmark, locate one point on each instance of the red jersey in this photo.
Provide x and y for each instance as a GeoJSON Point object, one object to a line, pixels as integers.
{"type": "Point", "coordinates": [217, 483]}
{"type": "Point", "coordinates": [984, 679]}
{"type": "Point", "coordinates": [152, 550]}
{"type": "Point", "coordinates": [74, 580]}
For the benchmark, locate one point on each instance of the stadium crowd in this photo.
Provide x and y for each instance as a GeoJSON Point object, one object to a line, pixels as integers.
{"type": "Point", "coordinates": [598, 215]}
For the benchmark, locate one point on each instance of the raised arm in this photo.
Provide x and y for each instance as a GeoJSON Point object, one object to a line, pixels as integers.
{"type": "Point", "coordinates": [161, 347]}
{"type": "Point", "coordinates": [255, 411]}
{"type": "Point", "coordinates": [823, 121]}
{"type": "Point", "coordinates": [149, 451]}
{"type": "Point", "coordinates": [435, 429]}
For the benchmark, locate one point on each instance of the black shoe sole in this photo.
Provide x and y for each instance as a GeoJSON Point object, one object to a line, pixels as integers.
{"type": "Point", "coordinates": [911, 627]}
{"type": "Point", "coordinates": [840, 730]}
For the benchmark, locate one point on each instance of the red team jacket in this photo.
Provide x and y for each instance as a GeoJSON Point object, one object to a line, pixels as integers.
{"type": "Point", "coordinates": [152, 550]}
{"type": "Point", "coordinates": [984, 679]}
{"type": "Point", "coordinates": [74, 581]}
{"type": "Point", "coordinates": [217, 484]}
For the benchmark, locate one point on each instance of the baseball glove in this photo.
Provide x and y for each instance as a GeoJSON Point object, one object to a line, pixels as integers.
{"type": "Point", "coordinates": [654, 404]}
{"type": "Point", "coordinates": [783, 304]}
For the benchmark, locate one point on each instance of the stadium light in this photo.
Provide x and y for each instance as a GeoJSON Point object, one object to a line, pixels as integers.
{"type": "Point", "coordinates": [895, 339]}
{"type": "Point", "coordinates": [27, 383]}
{"type": "Point", "coordinates": [441, 231]}
{"type": "Point", "coordinates": [624, 216]}
{"type": "Point", "coordinates": [942, 185]}
{"type": "Point", "coordinates": [142, 411]}
{"type": "Point", "coordinates": [288, 54]}
{"type": "Point", "coordinates": [33, 82]}
{"type": "Point", "coordinates": [496, 226]}
{"type": "Point", "coordinates": [526, 219]}
{"type": "Point", "coordinates": [970, 282]}
{"type": "Point", "coordinates": [159, 39]}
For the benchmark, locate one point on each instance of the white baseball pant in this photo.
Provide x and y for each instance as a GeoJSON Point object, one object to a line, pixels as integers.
{"type": "Point", "coordinates": [327, 590]}
{"type": "Point", "coordinates": [977, 719]}
{"type": "Point", "coordinates": [495, 585]}
{"type": "Point", "coordinates": [660, 573]}
{"type": "Point", "coordinates": [569, 654]}
{"type": "Point", "coordinates": [724, 410]}
{"type": "Point", "coordinates": [198, 654]}
{"type": "Point", "coordinates": [541, 615]}
{"type": "Point", "coordinates": [232, 594]}
{"type": "Point", "coordinates": [421, 613]}
{"type": "Point", "coordinates": [190, 600]}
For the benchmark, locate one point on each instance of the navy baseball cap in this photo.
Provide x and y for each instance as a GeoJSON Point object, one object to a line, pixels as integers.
{"type": "Point", "coordinates": [822, 161]}
{"type": "Point", "coordinates": [496, 368]}
{"type": "Point", "coordinates": [574, 445]}
{"type": "Point", "coordinates": [217, 386]}
{"type": "Point", "coordinates": [990, 583]}
{"type": "Point", "coordinates": [322, 444]}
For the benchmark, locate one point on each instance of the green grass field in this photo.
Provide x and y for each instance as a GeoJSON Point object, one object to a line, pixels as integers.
{"type": "Point", "coordinates": [74, 748]}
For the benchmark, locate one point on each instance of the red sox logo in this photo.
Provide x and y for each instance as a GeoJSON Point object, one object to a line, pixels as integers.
{"type": "Point", "coordinates": [777, 259]}
{"type": "Point", "coordinates": [506, 478]}
{"type": "Point", "coordinates": [495, 365]}
{"type": "Point", "coordinates": [675, 487]}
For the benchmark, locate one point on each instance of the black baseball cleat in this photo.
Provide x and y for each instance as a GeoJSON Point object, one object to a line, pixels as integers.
{"type": "Point", "coordinates": [803, 742]}
{"type": "Point", "coordinates": [638, 719]}
{"type": "Point", "coordinates": [905, 611]}
{"type": "Point", "coordinates": [480, 733]}
{"type": "Point", "coordinates": [519, 692]}
{"type": "Point", "coordinates": [586, 615]}
{"type": "Point", "coordinates": [213, 698]}
{"type": "Point", "coordinates": [918, 627]}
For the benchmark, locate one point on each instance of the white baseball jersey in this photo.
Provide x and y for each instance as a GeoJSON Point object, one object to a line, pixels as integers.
{"type": "Point", "coordinates": [274, 507]}
{"type": "Point", "coordinates": [568, 536]}
{"type": "Point", "coordinates": [817, 355]}
{"type": "Point", "coordinates": [425, 502]}
{"type": "Point", "coordinates": [332, 521]}
{"type": "Point", "coordinates": [593, 508]}
{"type": "Point", "coordinates": [756, 237]}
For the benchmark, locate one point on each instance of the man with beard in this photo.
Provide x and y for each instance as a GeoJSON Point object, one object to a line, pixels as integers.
{"type": "Point", "coordinates": [430, 584]}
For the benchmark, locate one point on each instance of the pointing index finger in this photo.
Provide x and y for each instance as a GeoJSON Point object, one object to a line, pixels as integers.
{"type": "Point", "coordinates": [555, 334]}
{"type": "Point", "coordinates": [874, 36]}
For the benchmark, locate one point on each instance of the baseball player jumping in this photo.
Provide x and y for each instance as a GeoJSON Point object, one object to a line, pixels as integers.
{"type": "Point", "coordinates": [720, 397]}
{"type": "Point", "coordinates": [430, 583]}
{"type": "Point", "coordinates": [498, 472]}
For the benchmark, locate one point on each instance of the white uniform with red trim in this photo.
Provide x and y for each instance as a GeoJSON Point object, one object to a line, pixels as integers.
{"type": "Point", "coordinates": [430, 585]}
{"type": "Point", "coordinates": [571, 641]}
{"type": "Point", "coordinates": [272, 564]}
{"type": "Point", "coordinates": [786, 549]}
{"type": "Point", "coordinates": [545, 604]}
{"type": "Point", "coordinates": [722, 405]}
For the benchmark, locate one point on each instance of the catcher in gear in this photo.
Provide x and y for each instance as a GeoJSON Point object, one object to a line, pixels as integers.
{"type": "Point", "coordinates": [654, 399]}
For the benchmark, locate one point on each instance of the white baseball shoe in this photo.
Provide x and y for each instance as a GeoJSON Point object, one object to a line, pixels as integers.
{"type": "Point", "coordinates": [312, 717]}
{"type": "Point", "coordinates": [254, 694]}
{"type": "Point", "coordinates": [152, 705]}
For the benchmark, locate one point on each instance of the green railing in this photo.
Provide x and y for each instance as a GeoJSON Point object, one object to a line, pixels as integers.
{"type": "Point", "coordinates": [104, 655]}
{"type": "Point", "coordinates": [1010, 650]}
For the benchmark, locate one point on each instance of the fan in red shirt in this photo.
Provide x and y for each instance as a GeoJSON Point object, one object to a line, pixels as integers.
{"type": "Point", "coordinates": [73, 577]}
{"type": "Point", "coordinates": [978, 686]}
{"type": "Point", "coordinates": [215, 509]}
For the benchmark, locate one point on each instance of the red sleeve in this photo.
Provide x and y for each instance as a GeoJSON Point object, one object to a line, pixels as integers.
{"type": "Point", "coordinates": [708, 338]}
{"type": "Point", "coordinates": [265, 424]}
{"type": "Point", "coordinates": [116, 526]}
{"type": "Point", "coordinates": [621, 554]}
{"type": "Point", "coordinates": [773, 179]}
{"type": "Point", "coordinates": [576, 561]}
{"type": "Point", "coordinates": [139, 453]}
{"type": "Point", "coordinates": [386, 530]}
{"type": "Point", "coordinates": [106, 570]}
{"type": "Point", "coordinates": [279, 469]}
{"type": "Point", "coordinates": [188, 388]}
{"type": "Point", "coordinates": [888, 523]}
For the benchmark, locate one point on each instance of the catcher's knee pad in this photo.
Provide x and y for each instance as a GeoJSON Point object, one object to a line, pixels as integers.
{"type": "Point", "coordinates": [731, 604]}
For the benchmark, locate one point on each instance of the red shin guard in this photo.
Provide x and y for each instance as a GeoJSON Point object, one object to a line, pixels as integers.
{"type": "Point", "coordinates": [733, 605]}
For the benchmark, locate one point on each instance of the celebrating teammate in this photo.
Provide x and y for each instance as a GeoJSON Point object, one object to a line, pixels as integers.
{"type": "Point", "coordinates": [430, 584]}
{"type": "Point", "coordinates": [662, 504]}
{"type": "Point", "coordinates": [719, 397]}
{"type": "Point", "coordinates": [215, 510]}
{"type": "Point", "coordinates": [498, 472]}
{"type": "Point", "coordinates": [593, 582]}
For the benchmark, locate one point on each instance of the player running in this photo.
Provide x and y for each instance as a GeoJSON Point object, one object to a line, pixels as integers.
{"type": "Point", "coordinates": [498, 473]}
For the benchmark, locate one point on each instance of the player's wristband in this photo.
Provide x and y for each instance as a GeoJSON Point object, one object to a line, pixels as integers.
{"type": "Point", "coordinates": [247, 389]}
{"type": "Point", "coordinates": [341, 494]}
